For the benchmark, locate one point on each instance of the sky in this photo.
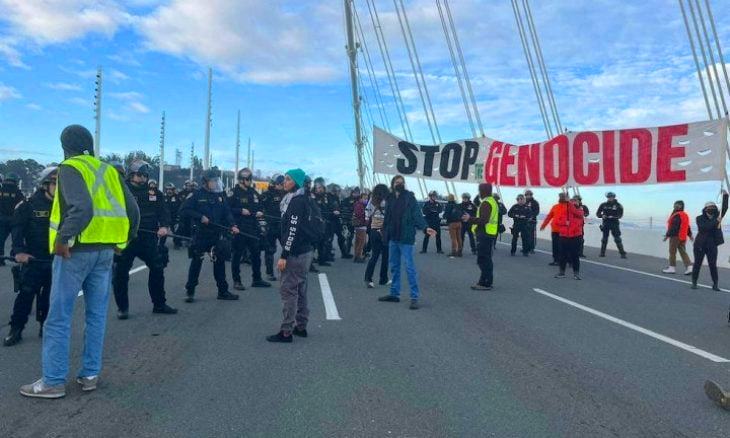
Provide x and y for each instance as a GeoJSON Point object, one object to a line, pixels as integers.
{"type": "Point", "coordinates": [283, 64]}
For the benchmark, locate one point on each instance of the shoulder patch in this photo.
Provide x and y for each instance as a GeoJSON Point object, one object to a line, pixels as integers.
{"type": "Point", "coordinates": [19, 204]}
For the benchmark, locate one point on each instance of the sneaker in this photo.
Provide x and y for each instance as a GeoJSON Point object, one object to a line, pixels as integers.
{"type": "Point", "coordinates": [389, 299]}
{"type": "Point", "coordinates": [715, 287]}
{"type": "Point", "coordinates": [313, 269]}
{"type": "Point", "coordinates": [260, 283]}
{"type": "Point", "coordinates": [716, 394]}
{"type": "Point", "coordinates": [480, 287]}
{"type": "Point", "coordinates": [560, 275]}
{"type": "Point", "coordinates": [302, 333]}
{"type": "Point", "coordinates": [414, 305]}
{"type": "Point", "coordinates": [623, 256]}
{"type": "Point", "coordinates": [14, 336]}
{"type": "Point", "coordinates": [227, 296]}
{"type": "Point", "coordinates": [694, 286]}
{"type": "Point", "coordinates": [603, 254]}
{"type": "Point", "coordinates": [669, 270]}
{"type": "Point", "coordinates": [238, 285]}
{"type": "Point", "coordinates": [576, 276]}
{"type": "Point", "coordinates": [688, 271]}
{"type": "Point", "coordinates": [280, 337]}
{"type": "Point", "coordinates": [189, 296]}
{"type": "Point", "coordinates": [88, 383]}
{"type": "Point", "coordinates": [439, 252]}
{"type": "Point", "coordinates": [271, 278]}
{"type": "Point", "coordinates": [38, 389]}
{"type": "Point", "coordinates": [371, 285]}
{"type": "Point", "coordinates": [422, 252]}
{"type": "Point", "coordinates": [164, 310]}
{"type": "Point", "coordinates": [122, 314]}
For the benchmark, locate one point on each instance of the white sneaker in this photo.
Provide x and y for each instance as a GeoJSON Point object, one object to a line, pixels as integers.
{"type": "Point", "coordinates": [38, 389]}
{"type": "Point", "coordinates": [669, 270]}
{"type": "Point", "coordinates": [688, 271]}
{"type": "Point", "coordinates": [371, 285]}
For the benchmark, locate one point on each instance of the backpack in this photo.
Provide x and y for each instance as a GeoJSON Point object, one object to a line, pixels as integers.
{"type": "Point", "coordinates": [313, 226]}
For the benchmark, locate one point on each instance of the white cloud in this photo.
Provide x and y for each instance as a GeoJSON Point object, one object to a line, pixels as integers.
{"type": "Point", "coordinates": [250, 40]}
{"type": "Point", "coordinates": [138, 107]}
{"type": "Point", "coordinates": [7, 92]}
{"type": "Point", "coordinates": [63, 86]}
{"type": "Point", "coordinates": [79, 101]}
{"type": "Point", "coordinates": [34, 107]}
{"type": "Point", "coordinates": [127, 95]}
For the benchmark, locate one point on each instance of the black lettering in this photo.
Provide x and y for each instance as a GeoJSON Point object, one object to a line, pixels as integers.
{"type": "Point", "coordinates": [430, 152]}
{"type": "Point", "coordinates": [409, 163]}
{"type": "Point", "coordinates": [445, 170]}
{"type": "Point", "coordinates": [471, 152]}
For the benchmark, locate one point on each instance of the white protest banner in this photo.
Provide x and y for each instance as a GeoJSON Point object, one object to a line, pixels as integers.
{"type": "Point", "coordinates": [667, 154]}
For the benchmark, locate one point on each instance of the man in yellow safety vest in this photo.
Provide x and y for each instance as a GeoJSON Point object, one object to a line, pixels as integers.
{"type": "Point", "coordinates": [485, 226]}
{"type": "Point", "coordinates": [93, 215]}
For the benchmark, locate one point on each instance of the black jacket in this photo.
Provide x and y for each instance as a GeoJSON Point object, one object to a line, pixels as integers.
{"type": "Point", "coordinates": [211, 205]}
{"type": "Point", "coordinates": [245, 198]}
{"type": "Point", "coordinates": [708, 232]}
{"type": "Point", "coordinates": [535, 208]}
{"type": "Point", "coordinates": [610, 211]}
{"type": "Point", "coordinates": [453, 212]}
{"type": "Point", "coordinates": [270, 202]}
{"type": "Point", "coordinates": [30, 226]}
{"type": "Point", "coordinates": [152, 209]}
{"type": "Point", "coordinates": [431, 211]}
{"type": "Point", "coordinates": [10, 196]}
{"type": "Point", "coordinates": [294, 219]}
{"type": "Point", "coordinates": [521, 215]}
{"type": "Point", "coordinates": [173, 203]}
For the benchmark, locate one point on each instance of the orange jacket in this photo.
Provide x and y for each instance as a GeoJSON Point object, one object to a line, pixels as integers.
{"type": "Point", "coordinates": [566, 219]}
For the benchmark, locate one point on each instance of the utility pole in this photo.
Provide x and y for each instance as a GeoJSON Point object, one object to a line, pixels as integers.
{"type": "Point", "coordinates": [161, 181]}
{"type": "Point", "coordinates": [238, 140]}
{"type": "Point", "coordinates": [352, 54]}
{"type": "Point", "coordinates": [208, 121]}
{"type": "Point", "coordinates": [97, 112]}
{"type": "Point", "coordinates": [192, 160]}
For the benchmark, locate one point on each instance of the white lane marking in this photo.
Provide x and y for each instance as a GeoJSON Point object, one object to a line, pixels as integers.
{"type": "Point", "coordinates": [133, 271]}
{"type": "Point", "coordinates": [655, 335]}
{"type": "Point", "coordinates": [635, 271]}
{"type": "Point", "coordinates": [329, 301]}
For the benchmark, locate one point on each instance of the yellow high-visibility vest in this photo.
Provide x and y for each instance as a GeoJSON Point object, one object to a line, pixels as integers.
{"type": "Point", "coordinates": [110, 224]}
{"type": "Point", "coordinates": [492, 227]}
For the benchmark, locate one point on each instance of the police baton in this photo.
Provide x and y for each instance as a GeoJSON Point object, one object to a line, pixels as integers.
{"type": "Point", "coordinates": [31, 259]}
{"type": "Point", "coordinates": [174, 236]}
{"type": "Point", "coordinates": [229, 230]}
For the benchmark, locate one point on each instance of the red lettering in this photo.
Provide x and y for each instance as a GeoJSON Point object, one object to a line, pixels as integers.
{"type": "Point", "coordinates": [666, 152]}
{"type": "Point", "coordinates": [491, 165]}
{"type": "Point", "coordinates": [591, 142]}
{"type": "Point", "coordinates": [609, 160]}
{"type": "Point", "coordinates": [642, 158]}
{"type": "Point", "coordinates": [507, 160]}
{"type": "Point", "coordinates": [528, 163]}
{"type": "Point", "coordinates": [561, 178]}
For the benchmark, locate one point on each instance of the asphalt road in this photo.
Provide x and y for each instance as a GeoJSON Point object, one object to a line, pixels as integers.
{"type": "Point", "coordinates": [511, 362]}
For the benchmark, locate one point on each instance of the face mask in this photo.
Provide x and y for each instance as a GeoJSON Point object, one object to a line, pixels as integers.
{"type": "Point", "coordinates": [399, 188]}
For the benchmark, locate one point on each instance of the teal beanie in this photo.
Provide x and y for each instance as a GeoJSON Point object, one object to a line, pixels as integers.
{"type": "Point", "coordinates": [297, 175]}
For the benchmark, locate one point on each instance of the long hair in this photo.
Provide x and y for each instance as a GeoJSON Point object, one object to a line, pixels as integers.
{"type": "Point", "coordinates": [380, 192]}
{"type": "Point", "coordinates": [392, 181]}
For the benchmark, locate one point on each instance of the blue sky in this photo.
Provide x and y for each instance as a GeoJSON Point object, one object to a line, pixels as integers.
{"type": "Point", "coordinates": [282, 63]}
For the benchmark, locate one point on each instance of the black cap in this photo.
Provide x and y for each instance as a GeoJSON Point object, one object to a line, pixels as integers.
{"type": "Point", "coordinates": [77, 140]}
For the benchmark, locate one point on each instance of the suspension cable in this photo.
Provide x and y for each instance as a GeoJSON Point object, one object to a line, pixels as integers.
{"type": "Point", "coordinates": [371, 71]}
{"type": "Point", "coordinates": [717, 44]}
{"type": "Point", "coordinates": [704, 58]}
{"type": "Point", "coordinates": [712, 57]}
{"type": "Point", "coordinates": [697, 62]}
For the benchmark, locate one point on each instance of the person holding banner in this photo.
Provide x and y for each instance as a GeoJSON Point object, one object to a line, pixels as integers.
{"type": "Point", "coordinates": [485, 227]}
{"type": "Point", "coordinates": [611, 212]}
{"type": "Point", "coordinates": [709, 237]}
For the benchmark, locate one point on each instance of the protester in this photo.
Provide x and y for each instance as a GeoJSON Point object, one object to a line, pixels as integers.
{"type": "Point", "coordinates": [534, 206]}
{"type": "Point", "coordinates": [378, 242]}
{"type": "Point", "coordinates": [453, 214]}
{"type": "Point", "coordinates": [709, 237]}
{"type": "Point", "coordinates": [554, 214]}
{"type": "Point", "coordinates": [10, 197]}
{"type": "Point", "coordinates": [569, 219]}
{"type": "Point", "coordinates": [432, 210]}
{"type": "Point", "coordinates": [173, 200]}
{"type": "Point", "coordinates": [586, 213]}
{"type": "Point", "coordinates": [469, 208]}
{"type": "Point", "coordinates": [678, 231]}
{"type": "Point", "coordinates": [521, 215]}
{"type": "Point", "coordinates": [86, 226]}
{"type": "Point", "coordinates": [402, 218]}
{"type": "Point", "coordinates": [31, 222]}
{"type": "Point", "coordinates": [611, 213]}
{"type": "Point", "coordinates": [360, 225]}
{"type": "Point", "coordinates": [485, 226]}
{"type": "Point", "coordinates": [296, 257]}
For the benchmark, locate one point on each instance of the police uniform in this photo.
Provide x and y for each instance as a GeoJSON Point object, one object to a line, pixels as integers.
{"type": "Point", "coordinates": [271, 206]}
{"type": "Point", "coordinates": [432, 211]}
{"type": "Point", "coordinates": [30, 235]}
{"type": "Point", "coordinates": [153, 215]}
{"type": "Point", "coordinates": [521, 215]}
{"type": "Point", "coordinates": [611, 212]}
{"type": "Point", "coordinates": [469, 208]}
{"type": "Point", "coordinates": [173, 201]}
{"type": "Point", "coordinates": [249, 239]}
{"type": "Point", "coordinates": [208, 238]}
{"type": "Point", "coordinates": [347, 207]}
{"type": "Point", "coordinates": [535, 207]}
{"type": "Point", "coordinates": [183, 226]}
{"type": "Point", "coordinates": [10, 197]}
{"type": "Point", "coordinates": [326, 205]}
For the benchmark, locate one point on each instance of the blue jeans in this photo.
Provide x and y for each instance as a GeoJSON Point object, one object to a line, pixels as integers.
{"type": "Point", "coordinates": [396, 250]}
{"type": "Point", "coordinates": [91, 272]}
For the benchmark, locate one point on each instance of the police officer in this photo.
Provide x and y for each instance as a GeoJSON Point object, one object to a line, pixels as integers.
{"type": "Point", "coordinates": [586, 213]}
{"type": "Point", "coordinates": [521, 226]}
{"type": "Point", "coordinates": [469, 208]}
{"type": "Point", "coordinates": [173, 201]}
{"type": "Point", "coordinates": [30, 248]}
{"type": "Point", "coordinates": [246, 209]}
{"type": "Point", "coordinates": [432, 211]}
{"type": "Point", "coordinates": [183, 227]}
{"type": "Point", "coordinates": [327, 207]}
{"type": "Point", "coordinates": [10, 197]}
{"type": "Point", "coordinates": [531, 202]}
{"type": "Point", "coordinates": [211, 220]}
{"type": "Point", "coordinates": [347, 206]}
{"type": "Point", "coordinates": [119, 166]}
{"type": "Point", "coordinates": [152, 184]}
{"type": "Point", "coordinates": [271, 206]}
{"type": "Point", "coordinates": [339, 223]}
{"type": "Point", "coordinates": [611, 213]}
{"type": "Point", "coordinates": [154, 224]}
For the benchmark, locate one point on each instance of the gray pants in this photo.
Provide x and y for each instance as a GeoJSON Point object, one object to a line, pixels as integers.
{"type": "Point", "coordinates": [294, 292]}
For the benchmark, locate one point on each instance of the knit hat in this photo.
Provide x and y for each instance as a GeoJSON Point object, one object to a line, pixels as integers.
{"type": "Point", "coordinates": [77, 140]}
{"type": "Point", "coordinates": [297, 175]}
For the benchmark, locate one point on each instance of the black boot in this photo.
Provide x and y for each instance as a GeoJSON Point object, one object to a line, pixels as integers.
{"type": "Point", "coordinates": [603, 249]}
{"type": "Point", "coordinates": [279, 337]}
{"type": "Point", "coordinates": [190, 296]}
{"type": "Point", "coordinates": [164, 309]}
{"type": "Point", "coordinates": [621, 251]}
{"type": "Point", "coordinates": [227, 296]}
{"type": "Point", "coordinates": [238, 285]}
{"type": "Point", "coordinates": [302, 333]}
{"type": "Point", "coordinates": [14, 336]}
{"type": "Point", "coordinates": [260, 283]}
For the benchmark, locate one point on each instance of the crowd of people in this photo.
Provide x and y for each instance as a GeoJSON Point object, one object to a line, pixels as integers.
{"type": "Point", "coordinates": [88, 220]}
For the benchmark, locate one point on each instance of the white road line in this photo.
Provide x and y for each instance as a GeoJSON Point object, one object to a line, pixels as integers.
{"type": "Point", "coordinates": [635, 271]}
{"type": "Point", "coordinates": [655, 335]}
{"type": "Point", "coordinates": [133, 271]}
{"type": "Point", "coordinates": [329, 301]}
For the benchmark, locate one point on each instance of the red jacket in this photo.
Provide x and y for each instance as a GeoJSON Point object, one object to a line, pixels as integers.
{"type": "Point", "coordinates": [678, 225]}
{"type": "Point", "coordinates": [566, 219]}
